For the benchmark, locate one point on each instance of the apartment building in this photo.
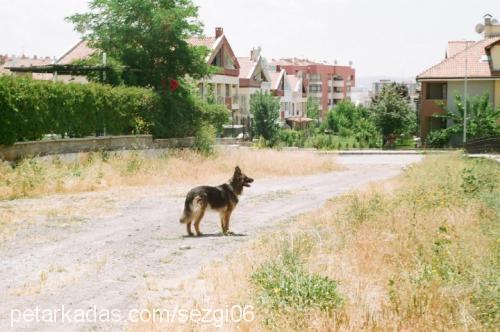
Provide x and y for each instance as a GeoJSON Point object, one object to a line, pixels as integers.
{"type": "Point", "coordinates": [325, 83]}
{"type": "Point", "coordinates": [478, 62]}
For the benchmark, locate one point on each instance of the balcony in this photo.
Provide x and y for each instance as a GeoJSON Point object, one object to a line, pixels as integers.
{"type": "Point", "coordinates": [338, 95]}
{"type": "Point", "coordinates": [278, 93]}
{"type": "Point", "coordinates": [338, 84]}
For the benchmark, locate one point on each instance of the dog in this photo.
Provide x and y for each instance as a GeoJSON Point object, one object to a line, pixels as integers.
{"type": "Point", "coordinates": [223, 199]}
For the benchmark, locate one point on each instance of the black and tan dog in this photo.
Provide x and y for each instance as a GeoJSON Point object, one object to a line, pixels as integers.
{"type": "Point", "coordinates": [222, 198]}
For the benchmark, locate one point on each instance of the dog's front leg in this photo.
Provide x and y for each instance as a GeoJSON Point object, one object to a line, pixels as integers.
{"type": "Point", "coordinates": [225, 222]}
{"type": "Point", "coordinates": [188, 226]}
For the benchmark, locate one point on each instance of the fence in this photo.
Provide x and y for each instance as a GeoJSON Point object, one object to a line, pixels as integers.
{"type": "Point", "coordinates": [483, 145]}
{"type": "Point", "coordinates": [74, 145]}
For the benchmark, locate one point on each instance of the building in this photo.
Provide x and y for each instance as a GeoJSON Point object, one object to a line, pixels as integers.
{"type": "Point", "coordinates": [222, 86]}
{"type": "Point", "coordinates": [413, 90]}
{"type": "Point", "coordinates": [24, 61]}
{"type": "Point", "coordinates": [478, 61]}
{"type": "Point", "coordinates": [293, 97]}
{"type": "Point", "coordinates": [254, 77]}
{"type": "Point", "coordinates": [325, 83]}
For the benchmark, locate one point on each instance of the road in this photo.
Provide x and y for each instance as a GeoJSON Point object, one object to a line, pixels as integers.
{"type": "Point", "coordinates": [119, 249]}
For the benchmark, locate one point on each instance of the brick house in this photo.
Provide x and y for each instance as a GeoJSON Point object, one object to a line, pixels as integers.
{"type": "Point", "coordinates": [479, 61]}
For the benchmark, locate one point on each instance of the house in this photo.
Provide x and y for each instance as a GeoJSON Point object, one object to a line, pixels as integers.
{"type": "Point", "coordinates": [293, 99]}
{"type": "Point", "coordinates": [325, 83]}
{"type": "Point", "coordinates": [24, 61]}
{"type": "Point", "coordinates": [474, 62]}
{"type": "Point", "coordinates": [254, 77]}
{"type": "Point", "coordinates": [223, 86]}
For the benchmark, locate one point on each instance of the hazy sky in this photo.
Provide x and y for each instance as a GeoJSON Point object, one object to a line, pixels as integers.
{"type": "Point", "coordinates": [381, 37]}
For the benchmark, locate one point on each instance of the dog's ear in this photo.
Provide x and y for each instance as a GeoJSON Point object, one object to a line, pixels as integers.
{"type": "Point", "coordinates": [237, 170]}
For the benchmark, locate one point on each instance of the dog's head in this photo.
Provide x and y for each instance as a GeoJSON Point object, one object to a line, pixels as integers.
{"type": "Point", "coordinates": [240, 180]}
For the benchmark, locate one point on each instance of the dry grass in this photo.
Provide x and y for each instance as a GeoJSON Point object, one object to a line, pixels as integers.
{"type": "Point", "coordinates": [419, 253]}
{"type": "Point", "coordinates": [102, 170]}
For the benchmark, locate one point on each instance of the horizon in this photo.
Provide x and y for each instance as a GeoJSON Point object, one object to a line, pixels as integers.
{"type": "Point", "coordinates": [299, 35]}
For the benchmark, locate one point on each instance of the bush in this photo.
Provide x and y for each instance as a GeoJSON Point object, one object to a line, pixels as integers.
{"type": "Point", "coordinates": [283, 285]}
{"type": "Point", "coordinates": [438, 138]}
{"type": "Point", "coordinates": [205, 140]}
{"type": "Point", "coordinates": [30, 109]}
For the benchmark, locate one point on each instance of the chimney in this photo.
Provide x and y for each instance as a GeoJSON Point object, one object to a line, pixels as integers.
{"type": "Point", "coordinates": [219, 32]}
{"type": "Point", "coordinates": [487, 19]}
{"type": "Point", "coordinates": [491, 27]}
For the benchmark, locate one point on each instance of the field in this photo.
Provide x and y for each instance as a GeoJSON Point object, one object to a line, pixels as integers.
{"type": "Point", "coordinates": [97, 171]}
{"type": "Point", "coordinates": [419, 252]}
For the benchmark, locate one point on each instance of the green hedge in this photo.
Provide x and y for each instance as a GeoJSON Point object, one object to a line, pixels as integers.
{"type": "Point", "coordinates": [30, 109]}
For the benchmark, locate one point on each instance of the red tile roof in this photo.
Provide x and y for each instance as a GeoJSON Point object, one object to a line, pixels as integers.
{"type": "Point", "coordinates": [454, 66]}
{"type": "Point", "coordinates": [456, 46]}
{"type": "Point", "coordinates": [79, 51]}
{"type": "Point", "coordinates": [246, 67]}
{"type": "Point", "coordinates": [202, 41]}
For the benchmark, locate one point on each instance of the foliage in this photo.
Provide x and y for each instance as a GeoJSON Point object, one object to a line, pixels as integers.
{"type": "Point", "coordinates": [481, 120]}
{"type": "Point", "coordinates": [205, 140]}
{"type": "Point", "coordinates": [350, 120]}
{"type": "Point", "coordinates": [313, 110]}
{"type": "Point", "coordinates": [265, 109]}
{"type": "Point", "coordinates": [114, 75]}
{"type": "Point", "coordinates": [438, 138]}
{"type": "Point", "coordinates": [283, 285]}
{"type": "Point", "coordinates": [393, 114]}
{"type": "Point", "coordinates": [148, 37]}
{"type": "Point", "coordinates": [30, 109]}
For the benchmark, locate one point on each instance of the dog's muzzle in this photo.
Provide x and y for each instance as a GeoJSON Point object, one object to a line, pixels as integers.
{"type": "Point", "coordinates": [247, 182]}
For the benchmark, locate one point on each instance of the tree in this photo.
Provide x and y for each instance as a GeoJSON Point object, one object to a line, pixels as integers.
{"type": "Point", "coordinates": [148, 37]}
{"type": "Point", "coordinates": [265, 109]}
{"type": "Point", "coordinates": [393, 114]}
{"type": "Point", "coordinates": [313, 110]}
{"type": "Point", "coordinates": [350, 120]}
{"type": "Point", "coordinates": [481, 120]}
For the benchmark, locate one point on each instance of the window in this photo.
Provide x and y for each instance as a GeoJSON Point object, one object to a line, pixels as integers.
{"type": "Point", "coordinates": [315, 77]}
{"type": "Point", "coordinates": [436, 91]}
{"type": "Point", "coordinates": [228, 91]}
{"type": "Point", "coordinates": [315, 88]}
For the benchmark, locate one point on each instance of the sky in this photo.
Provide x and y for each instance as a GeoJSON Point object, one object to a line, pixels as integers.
{"type": "Point", "coordinates": [394, 38]}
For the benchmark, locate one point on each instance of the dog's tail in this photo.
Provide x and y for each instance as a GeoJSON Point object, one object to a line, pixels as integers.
{"type": "Point", "coordinates": [188, 210]}
{"type": "Point", "coordinates": [192, 205]}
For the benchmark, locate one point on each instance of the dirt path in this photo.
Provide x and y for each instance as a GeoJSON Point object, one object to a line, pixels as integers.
{"type": "Point", "coordinates": [119, 249]}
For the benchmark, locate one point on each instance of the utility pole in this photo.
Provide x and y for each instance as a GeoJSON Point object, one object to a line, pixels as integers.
{"type": "Point", "coordinates": [465, 92]}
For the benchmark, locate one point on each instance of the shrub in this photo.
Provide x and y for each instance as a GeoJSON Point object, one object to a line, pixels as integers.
{"type": "Point", "coordinates": [284, 285]}
{"type": "Point", "coordinates": [205, 140]}
{"type": "Point", "coordinates": [30, 109]}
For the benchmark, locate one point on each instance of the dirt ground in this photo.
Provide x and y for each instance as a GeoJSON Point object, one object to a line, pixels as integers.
{"type": "Point", "coordinates": [124, 248]}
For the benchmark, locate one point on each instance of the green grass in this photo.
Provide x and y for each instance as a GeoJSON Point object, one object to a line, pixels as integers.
{"type": "Point", "coordinates": [285, 287]}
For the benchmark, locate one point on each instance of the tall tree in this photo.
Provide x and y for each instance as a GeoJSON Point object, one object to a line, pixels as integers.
{"type": "Point", "coordinates": [393, 114]}
{"type": "Point", "coordinates": [265, 109]}
{"type": "Point", "coordinates": [149, 37]}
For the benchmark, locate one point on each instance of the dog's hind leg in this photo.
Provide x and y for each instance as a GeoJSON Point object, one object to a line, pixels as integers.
{"type": "Point", "coordinates": [197, 220]}
{"type": "Point", "coordinates": [200, 212]}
